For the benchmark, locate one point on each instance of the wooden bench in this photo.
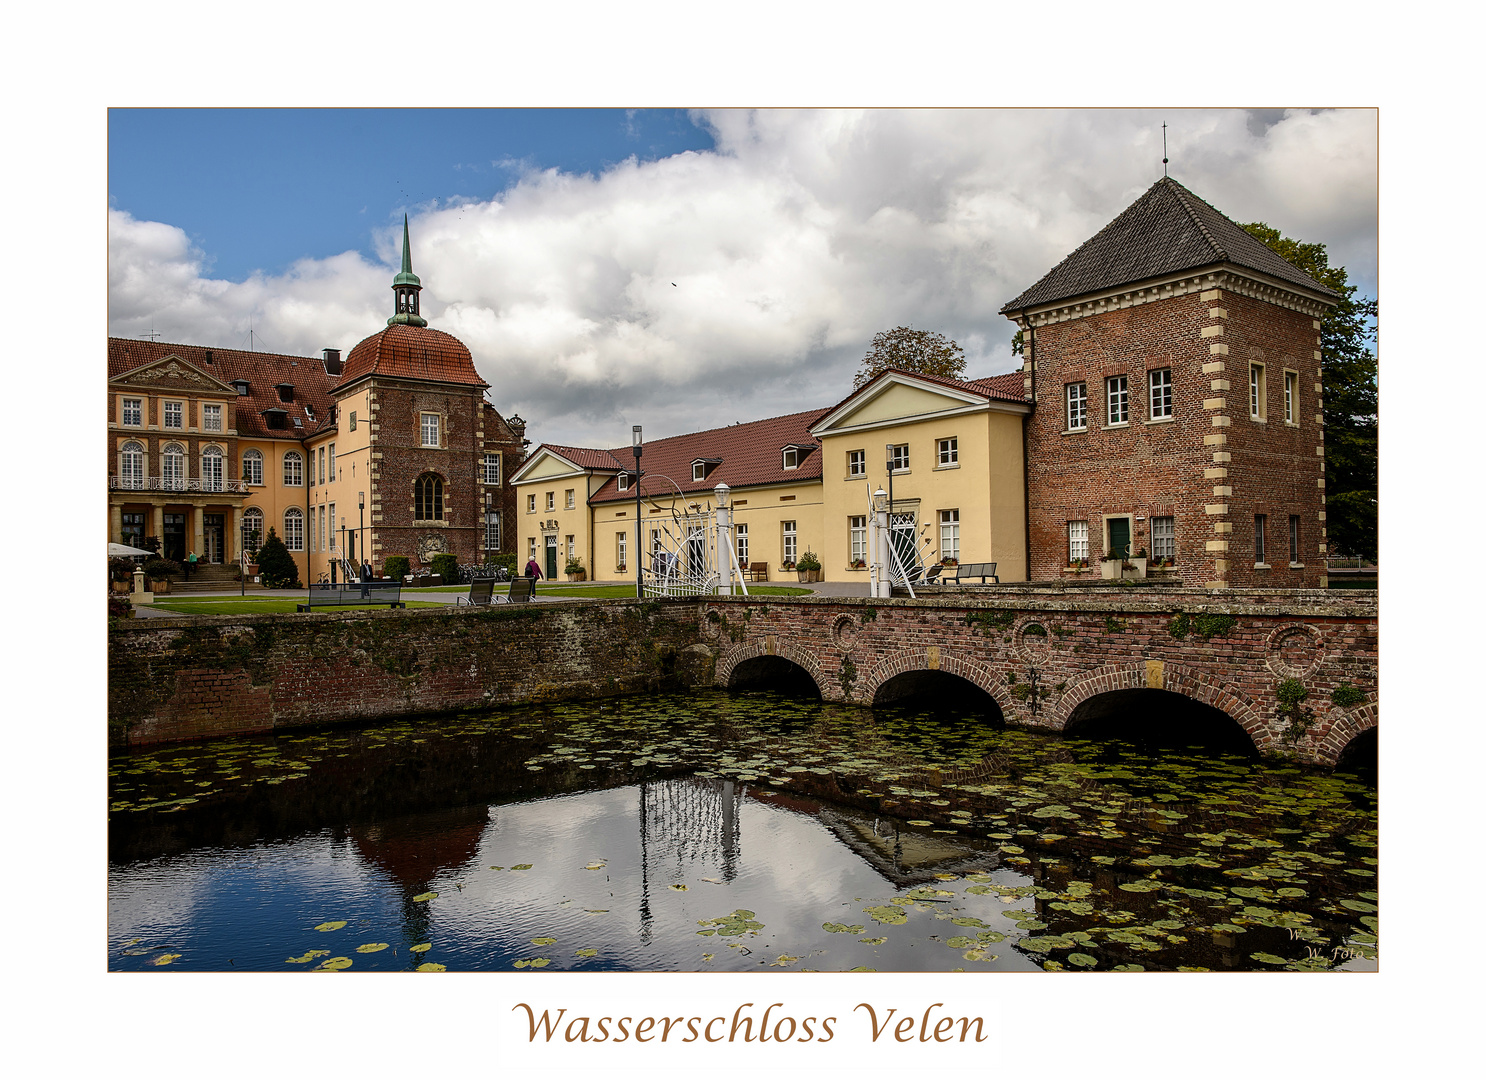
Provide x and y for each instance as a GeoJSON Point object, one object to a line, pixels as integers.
{"type": "Point", "coordinates": [356, 593]}
{"type": "Point", "coordinates": [482, 591]}
{"type": "Point", "coordinates": [757, 571]}
{"type": "Point", "coordinates": [981, 570]}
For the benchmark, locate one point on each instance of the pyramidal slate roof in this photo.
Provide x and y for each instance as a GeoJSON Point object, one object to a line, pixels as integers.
{"type": "Point", "coordinates": [1166, 231]}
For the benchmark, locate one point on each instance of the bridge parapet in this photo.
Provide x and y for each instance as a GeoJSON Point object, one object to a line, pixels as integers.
{"type": "Point", "coordinates": [1040, 652]}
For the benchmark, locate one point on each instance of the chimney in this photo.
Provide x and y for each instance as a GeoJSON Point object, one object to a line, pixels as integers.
{"type": "Point", "coordinates": [332, 361]}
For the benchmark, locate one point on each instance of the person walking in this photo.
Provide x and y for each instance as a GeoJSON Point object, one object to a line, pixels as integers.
{"type": "Point", "coordinates": [534, 572]}
{"type": "Point", "coordinates": [190, 564]}
{"type": "Point", "coordinates": [365, 578]}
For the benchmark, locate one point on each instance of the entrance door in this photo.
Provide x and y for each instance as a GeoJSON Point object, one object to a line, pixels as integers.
{"type": "Point", "coordinates": [213, 529]}
{"type": "Point", "coordinates": [551, 570]}
{"type": "Point", "coordinates": [1119, 537]}
{"type": "Point", "coordinates": [173, 543]}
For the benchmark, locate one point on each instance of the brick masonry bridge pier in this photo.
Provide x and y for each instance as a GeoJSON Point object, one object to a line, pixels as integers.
{"type": "Point", "coordinates": [1231, 651]}
{"type": "Point", "coordinates": [1093, 651]}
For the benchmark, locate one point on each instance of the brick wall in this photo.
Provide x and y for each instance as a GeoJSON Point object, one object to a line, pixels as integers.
{"type": "Point", "coordinates": [213, 675]}
{"type": "Point", "coordinates": [1210, 467]}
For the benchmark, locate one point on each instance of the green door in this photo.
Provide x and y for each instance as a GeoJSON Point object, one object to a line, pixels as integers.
{"type": "Point", "coordinates": [1119, 537]}
{"type": "Point", "coordinates": [551, 570]}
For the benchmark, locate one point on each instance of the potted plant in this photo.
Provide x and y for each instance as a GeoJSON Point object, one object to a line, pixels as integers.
{"type": "Point", "coordinates": [121, 575]}
{"type": "Point", "coordinates": [574, 568]}
{"type": "Point", "coordinates": [1138, 563]}
{"type": "Point", "coordinates": [787, 565]}
{"type": "Point", "coordinates": [859, 564]}
{"type": "Point", "coordinates": [808, 566]}
{"type": "Point", "coordinates": [161, 573]}
{"type": "Point", "coordinates": [951, 561]}
{"type": "Point", "coordinates": [1110, 565]}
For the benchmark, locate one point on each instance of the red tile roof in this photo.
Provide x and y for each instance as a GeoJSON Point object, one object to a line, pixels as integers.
{"type": "Point", "coordinates": [1007, 387]}
{"type": "Point", "coordinates": [751, 454]}
{"type": "Point", "coordinates": [584, 457]}
{"type": "Point", "coordinates": [412, 352]}
{"type": "Point", "coordinates": [261, 370]}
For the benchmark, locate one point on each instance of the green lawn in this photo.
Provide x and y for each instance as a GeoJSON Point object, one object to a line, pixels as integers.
{"type": "Point", "coordinates": [619, 592]}
{"type": "Point", "coordinates": [217, 606]}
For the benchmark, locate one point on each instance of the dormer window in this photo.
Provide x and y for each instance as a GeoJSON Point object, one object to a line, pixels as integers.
{"type": "Point", "coordinates": [276, 418]}
{"type": "Point", "coordinates": [624, 481]}
{"type": "Point", "coordinates": [701, 468]}
{"type": "Point", "coordinates": [241, 386]}
{"type": "Point", "coordinates": [286, 391]}
{"type": "Point", "coordinates": [791, 457]}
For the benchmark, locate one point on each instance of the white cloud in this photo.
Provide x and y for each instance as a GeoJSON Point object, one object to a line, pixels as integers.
{"type": "Point", "coordinates": [789, 246]}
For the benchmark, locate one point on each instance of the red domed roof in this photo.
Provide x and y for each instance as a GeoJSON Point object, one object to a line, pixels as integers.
{"type": "Point", "coordinates": [412, 352]}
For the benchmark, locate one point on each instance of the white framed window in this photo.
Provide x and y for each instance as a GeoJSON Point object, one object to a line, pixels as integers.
{"type": "Point", "coordinates": [211, 469]}
{"type": "Point", "coordinates": [621, 551]}
{"type": "Point", "coordinates": [1260, 520]}
{"type": "Point", "coordinates": [1160, 384]}
{"type": "Point", "coordinates": [742, 533]}
{"type": "Point", "coordinates": [171, 415]}
{"type": "Point", "coordinates": [949, 452]}
{"type": "Point", "coordinates": [656, 547]}
{"type": "Point", "coordinates": [293, 469]}
{"type": "Point", "coordinates": [330, 462]}
{"type": "Point", "coordinates": [898, 455]}
{"type": "Point", "coordinates": [294, 529]}
{"type": "Point", "coordinates": [131, 465]}
{"type": "Point", "coordinates": [253, 467]}
{"type": "Point", "coordinates": [253, 527]}
{"type": "Point", "coordinates": [1078, 540]}
{"type": "Point", "coordinates": [1163, 537]}
{"type": "Point", "coordinates": [791, 458]}
{"type": "Point", "coordinates": [551, 500]}
{"type": "Point", "coordinates": [492, 468]}
{"type": "Point", "coordinates": [856, 529]}
{"type": "Point", "coordinates": [322, 528]}
{"type": "Point", "coordinates": [698, 470]}
{"type": "Point", "coordinates": [856, 463]}
{"type": "Point", "coordinates": [569, 547]}
{"type": "Point", "coordinates": [623, 482]}
{"type": "Point", "coordinates": [353, 417]}
{"type": "Point", "coordinates": [330, 529]}
{"type": "Point", "coordinates": [173, 467]}
{"type": "Point", "coordinates": [567, 499]}
{"type": "Point", "coordinates": [1117, 399]}
{"type": "Point", "coordinates": [1256, 393]}
{"type": "Point", "coordinates": [531, 547]}
{"type": "Point", "coordinates": [132, 412]}
{"type": "Point", "coordinates": [1292, 396]}
{"type": "Point", "coordinates": [531, 504]}
{"type": "Point", "coordinates": [790, 537]}
{"type": "Point", "coordinates": [1294, 538]}
{"type": "Point", "coordinates": [949, 534]}
{"type": "Point", "coordinates": [1077, 396]}
{"type": "Point", "coordinates": [211, 418]}
{"type": "Point", "coordinates": [428, 429]}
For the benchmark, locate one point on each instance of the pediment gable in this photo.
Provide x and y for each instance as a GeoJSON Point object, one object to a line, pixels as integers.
{"type": "Point", "coordinates": [897, 399]}
{"type": "Point", "coordinates": [173, 373]}
{"type": "Point", "coordinates": [545, 464]}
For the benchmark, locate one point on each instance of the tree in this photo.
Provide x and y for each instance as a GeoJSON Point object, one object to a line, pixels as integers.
{"type": "Point", "coordinates": [923, 352]}
{"type": "Point", "coordinates": [276, 565]}
{"type": "Point", "coordinates": [1349, 368]}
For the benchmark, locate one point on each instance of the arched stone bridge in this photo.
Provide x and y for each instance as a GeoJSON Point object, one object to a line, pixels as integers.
{"type": "Point", "coordinates": [1234, 652]}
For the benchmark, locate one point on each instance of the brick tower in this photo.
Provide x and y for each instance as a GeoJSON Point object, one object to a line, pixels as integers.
{"type": "Point", "coordinates": [1175, 366]}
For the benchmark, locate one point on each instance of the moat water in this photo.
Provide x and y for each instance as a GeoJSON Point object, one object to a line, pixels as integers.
{"type": "Point", "coordinates": [744, 832]}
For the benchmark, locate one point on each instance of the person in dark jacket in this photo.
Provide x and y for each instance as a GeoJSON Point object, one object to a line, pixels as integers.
{"type": "Point", "coordinates": [534, 572]}
{"type": "Point", "coordinates": [365, 577]}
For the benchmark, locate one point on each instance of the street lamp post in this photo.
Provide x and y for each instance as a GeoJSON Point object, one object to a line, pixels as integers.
{"type": "Point", "coordinates": [361, 531]}
{"type": "Point", "coordinates": [639, 448]}
{"type": "Point", "coordinates": [343, 540]}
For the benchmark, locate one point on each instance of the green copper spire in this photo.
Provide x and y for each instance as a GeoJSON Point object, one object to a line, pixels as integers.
{"type": "Point", "coordinates": [406, 286]}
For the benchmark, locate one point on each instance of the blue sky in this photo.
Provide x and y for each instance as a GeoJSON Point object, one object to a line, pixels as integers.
{"type": "Point", "coordinates": [679, 269]}
{"type": "Point", "coordinates": [260, 188]}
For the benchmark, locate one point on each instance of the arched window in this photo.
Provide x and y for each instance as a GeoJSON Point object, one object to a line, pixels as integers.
{"type": "Point", "coordinates": [252, 529]}
{"type": "Point", "coordinates": [253, 467]}
{"type": "Point", "coordinates": [293, 469]}
{"type": "Point", "coordinates": [428, 498]}
{"type": "Point", "coordinates": [211, 469]}
{"type": "Point", "coordinates": [294, 529]}
{"type": "Point", "coordinates": [131, 465]}
{"type": "Point", "coordinates": [173, 467]}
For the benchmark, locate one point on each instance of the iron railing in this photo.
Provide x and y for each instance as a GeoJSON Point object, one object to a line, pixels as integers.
{"type": "Point", "coordinates": [193, 485]}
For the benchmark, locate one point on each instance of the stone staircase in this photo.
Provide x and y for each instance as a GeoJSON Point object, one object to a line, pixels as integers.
{"type": "Point", "coordinates": [207, 577]}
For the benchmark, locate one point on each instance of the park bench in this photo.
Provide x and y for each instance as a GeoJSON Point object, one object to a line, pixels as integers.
{"type": "Point", "coordinates": [757, 571]}
{"type": "Point", "coordinates": [357, 593]}
{"type": "Point", "coordinates": [967, 570]}
{"type": "Point", "coordinates": [481, 593]}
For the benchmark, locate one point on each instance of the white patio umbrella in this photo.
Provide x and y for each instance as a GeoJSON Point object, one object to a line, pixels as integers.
{"type": "Point", "coordinates": [115, 550]}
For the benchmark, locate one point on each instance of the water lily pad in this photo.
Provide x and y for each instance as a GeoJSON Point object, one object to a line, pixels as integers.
{"type": "Point", "coordinates": [544, 941]}
{"type": "Point", "coordinates": [431, 967]}
{"type": "Point", "coordinates": [587, 953]}
{"type": "Point", "coordinates": [336, 925]}
{"type": "Point", "coordinates": [842, 928]}
{"type": "Point", "coordinates": [677, 888]}
{"type": "Point", "coordinates": [373, 947]}
{"type": "Point", "coordinates": [595, 866]}
{"type": "Point", "coordinates": [335, 963]}
{"type": "Point", "coordinates": [1083, 960]}
{"type": "Point", "coordinates": [522, 866]}
{"type": "Point", "coordinates": [423, 948]}
{"type": "Point", "coordinates": [165, 958]}
{"type": "Point", "coordinates": [423, 897]}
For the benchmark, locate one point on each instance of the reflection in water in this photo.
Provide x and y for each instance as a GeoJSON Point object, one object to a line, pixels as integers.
{"type": "Point", "coordinates": [633, 835]}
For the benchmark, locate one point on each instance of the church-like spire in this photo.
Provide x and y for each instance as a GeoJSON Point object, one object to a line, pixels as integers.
{"type": "Point", "coordinates": [406, 286]}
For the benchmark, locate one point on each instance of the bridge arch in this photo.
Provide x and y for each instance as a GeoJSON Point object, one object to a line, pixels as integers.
{"type": "Point", "coordinates": [904, 667]}
{"type": "Point", "coordinates": [757, 663]}
{"type": "Point", "coordinates": [1345, 729]}
{"type": "Point", "coordinates": [1157, 684]}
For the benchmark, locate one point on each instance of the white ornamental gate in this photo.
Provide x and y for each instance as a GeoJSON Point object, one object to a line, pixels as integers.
{"type": "Point", "coordinates": [694, 554]}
